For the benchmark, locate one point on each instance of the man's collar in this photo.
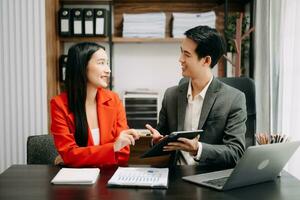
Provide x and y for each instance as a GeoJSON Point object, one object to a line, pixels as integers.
{"type": "Point", "coordinates": [203, 91]}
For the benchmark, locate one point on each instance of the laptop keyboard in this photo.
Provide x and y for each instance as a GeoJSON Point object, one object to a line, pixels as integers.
{"type": "Point", "coordinates": [218, 182]}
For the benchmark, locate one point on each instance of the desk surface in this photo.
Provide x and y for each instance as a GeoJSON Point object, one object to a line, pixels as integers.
{"type": "Point", "coordinates": [33, 182]}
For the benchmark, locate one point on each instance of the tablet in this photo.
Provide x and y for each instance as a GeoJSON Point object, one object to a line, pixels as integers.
{"type": "Point", "coordinates": [157, 149]}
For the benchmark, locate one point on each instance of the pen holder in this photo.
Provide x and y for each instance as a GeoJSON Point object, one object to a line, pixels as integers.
{"type": "Point", "coordinates": [266, 138]}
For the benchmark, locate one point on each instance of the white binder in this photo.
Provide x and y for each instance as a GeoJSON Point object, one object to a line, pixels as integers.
{"type": "Point", "coordinates": [100, 21]}
{"type": "Point", "coordinates": [77, 21]}
{"type": "Point", "coordinates": [88, 22]}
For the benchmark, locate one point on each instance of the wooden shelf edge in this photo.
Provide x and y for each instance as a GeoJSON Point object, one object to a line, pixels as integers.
{"type": "Point", "coordinates": [85, 1]}
{"type": "Point", "coordinates": [121, 40]}
{"type": "Point", "coordinates": [84, 39]}
{"type": "Point", "coordinates": [146, 40]}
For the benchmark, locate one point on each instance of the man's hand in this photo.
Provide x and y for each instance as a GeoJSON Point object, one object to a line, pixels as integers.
{"type": "Point", "coordinates": [126, 137]}
{"type": "Point", "coordinates": [189, 145]}
{"type": "Point", "coordinates": [156, 136]}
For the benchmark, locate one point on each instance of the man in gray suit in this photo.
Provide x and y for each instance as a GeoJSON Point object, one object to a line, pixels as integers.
{"type": "Point", "coordinates": [203, 102]}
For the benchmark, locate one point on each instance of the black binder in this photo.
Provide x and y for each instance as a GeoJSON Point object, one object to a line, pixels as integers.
{"type": "Point", "coordinates": [62, 67]}
{"type": "Point", "coordinates": [64, 22]}
{"type": "Point", "coordinates": [100, 22]}
{"type": "Point", "coordinates": [88, 25]}
{"type": "Point", "coordinates": [77, 21]}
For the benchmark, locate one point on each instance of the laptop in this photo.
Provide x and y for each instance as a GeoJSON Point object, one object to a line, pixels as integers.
{"type": "Point", "coordinates": [259, 164]}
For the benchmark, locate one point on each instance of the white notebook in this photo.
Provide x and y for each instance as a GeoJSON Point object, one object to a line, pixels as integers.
{"type": "Point", "coordinates": [140, 177]}
{"type": "Point", "coordinates": [76, 176]}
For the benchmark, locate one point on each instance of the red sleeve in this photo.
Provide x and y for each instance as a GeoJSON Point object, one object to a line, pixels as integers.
{"type": "Point", "coordinates": [72, 154]}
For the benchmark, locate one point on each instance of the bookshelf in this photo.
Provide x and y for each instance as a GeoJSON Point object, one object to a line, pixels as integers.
{"type": "Point", "coordinates": [55, 43]}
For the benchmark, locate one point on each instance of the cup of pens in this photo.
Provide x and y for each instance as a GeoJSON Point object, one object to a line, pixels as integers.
{"type": "Point", "coordinates": [265, 138]}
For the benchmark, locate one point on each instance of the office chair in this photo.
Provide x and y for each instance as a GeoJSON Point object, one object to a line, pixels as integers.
{"type": "Point", "coordinates": [247, 86]}
{"type": "Point", "coordinates": [41, 150]}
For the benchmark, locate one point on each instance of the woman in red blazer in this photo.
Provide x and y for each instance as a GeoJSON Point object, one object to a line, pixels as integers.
{"type": "Point", "coordinates": [88, 122]}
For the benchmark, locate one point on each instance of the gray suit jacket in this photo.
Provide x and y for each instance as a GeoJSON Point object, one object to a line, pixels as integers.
{"type": "Point", "coordinates": [223, 118]}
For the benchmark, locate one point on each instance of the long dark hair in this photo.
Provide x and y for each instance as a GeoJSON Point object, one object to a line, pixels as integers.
{"type": "Point", "coordinates": [76, 86]}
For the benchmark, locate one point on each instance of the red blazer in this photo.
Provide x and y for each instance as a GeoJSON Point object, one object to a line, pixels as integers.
{"type": "Point", "coordinates": [111, 120]}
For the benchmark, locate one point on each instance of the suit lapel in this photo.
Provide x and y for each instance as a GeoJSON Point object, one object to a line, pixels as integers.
{"type": "Point", "coordinates": [104, 115]}
{"type": "Point", "coordinates": [181, 105]}
{"type": "Point", "coordinates": [208, 102]}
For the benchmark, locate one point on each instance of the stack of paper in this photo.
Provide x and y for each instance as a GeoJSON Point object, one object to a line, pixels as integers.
{"type": "Point", "coordinates": [140, 177]}
{"type": "Point", "coordinates": [144, 25]}
{"type": "Point", "coordinates": [76, 176]}
{"type": "Point", "coordinates": [184, 21]}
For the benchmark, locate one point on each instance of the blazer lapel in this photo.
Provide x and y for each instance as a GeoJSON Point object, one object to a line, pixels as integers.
{"type": "Point", "coordinates": [181, 105]}
{"type": "Point", "coordinates": [105, 120]}
{"type": "Point", "coordinates": [208, 102]}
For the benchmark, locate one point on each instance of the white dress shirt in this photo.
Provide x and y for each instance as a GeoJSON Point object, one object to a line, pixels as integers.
{"type": "Point", "coordinates": [191, 122]}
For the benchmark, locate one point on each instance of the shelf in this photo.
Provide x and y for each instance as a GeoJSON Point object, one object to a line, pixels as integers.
{"type": "Point", "coordinates": [116, 8]}
{"type": "Point", "coordinates": [85, 1]}
{"type": "Point", "coordinates": [121, 39]}
{"type": "Point", "coordinates": [146, 40]}
{"type": "Point", "coordinates": [84, 39]}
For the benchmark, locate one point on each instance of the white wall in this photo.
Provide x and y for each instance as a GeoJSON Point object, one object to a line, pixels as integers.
{"type": "Point", "coordinates": [23, 96]}
{"type": "Point", "coordinates": [153, 66]}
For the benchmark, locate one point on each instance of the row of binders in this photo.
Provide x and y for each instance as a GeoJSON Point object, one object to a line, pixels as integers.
{"type": "Point", "coordinates": [82, 22]}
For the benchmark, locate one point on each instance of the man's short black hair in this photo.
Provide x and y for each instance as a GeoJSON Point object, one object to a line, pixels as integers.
{"type": "Point", "coordinates": [209, 43]}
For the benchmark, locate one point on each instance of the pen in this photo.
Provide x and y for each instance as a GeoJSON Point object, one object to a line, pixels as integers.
{"type": "Point", "coordinates": [272, 138]}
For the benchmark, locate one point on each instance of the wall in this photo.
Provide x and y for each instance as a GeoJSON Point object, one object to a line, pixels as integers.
{"type": "Point", "coordinates": [23, 106]}
{"type": "Point", "coordinates": [151, 66]}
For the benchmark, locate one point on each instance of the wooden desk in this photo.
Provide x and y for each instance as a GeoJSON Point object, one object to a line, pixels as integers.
{"type": "Point", "coordinates": [33, 182]}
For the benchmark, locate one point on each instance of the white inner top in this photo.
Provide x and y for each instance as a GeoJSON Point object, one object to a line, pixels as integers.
{"type": "Point", "coordinates": [96, 136]}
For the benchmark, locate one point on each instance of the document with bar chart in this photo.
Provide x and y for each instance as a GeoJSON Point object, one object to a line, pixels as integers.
{"type": "Point", "coordinates": [140, 177]}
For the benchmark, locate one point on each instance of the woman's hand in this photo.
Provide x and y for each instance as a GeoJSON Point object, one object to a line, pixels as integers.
{"type": "Point", "coordinates": [58, 160]}
{"type": "Point", "coordinates": [126, 137]}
